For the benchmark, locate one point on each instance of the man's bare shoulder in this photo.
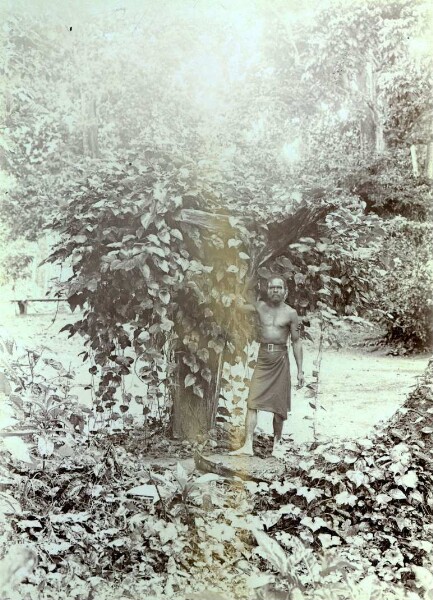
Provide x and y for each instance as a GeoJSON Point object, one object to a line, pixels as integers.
{"type": "Point", "coordinates": [291, 313]}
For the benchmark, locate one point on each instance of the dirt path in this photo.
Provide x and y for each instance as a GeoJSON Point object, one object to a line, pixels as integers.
{"type": "Point", "coordinates": [357, 390]}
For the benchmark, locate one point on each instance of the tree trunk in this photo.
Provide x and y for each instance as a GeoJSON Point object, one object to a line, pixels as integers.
{"type": "Point", "coordinates": [372, 125]}
{"type": "Point", "coordinates": [192, 415]}
{"type": "Point", "coordinates": [414, 157]}
{"type": "Point", "coordinates": [429, 158]}
{"type": "Point", "coordinates": [90, 127]}
{"type": "Point", "coordinates": [429, 161]}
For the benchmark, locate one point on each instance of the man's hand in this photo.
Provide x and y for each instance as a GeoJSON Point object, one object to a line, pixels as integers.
{"type": "Point", "coordinates": [301, 379]}
{"type": "Point", "coordinates": [244, 306]}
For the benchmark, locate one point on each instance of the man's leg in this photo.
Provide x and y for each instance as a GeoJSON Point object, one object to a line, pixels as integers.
{"type": "Point", "coordinates": [250, 425]}
{"type": "Point", "coordinates": [278, 430]}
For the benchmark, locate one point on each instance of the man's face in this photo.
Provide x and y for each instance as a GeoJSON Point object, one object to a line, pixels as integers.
{"type": "Point", "coordinates": [276, 290]}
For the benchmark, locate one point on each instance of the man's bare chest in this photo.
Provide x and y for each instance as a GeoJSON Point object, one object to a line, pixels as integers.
{"type": "Point", "coordinates": [274, 317]}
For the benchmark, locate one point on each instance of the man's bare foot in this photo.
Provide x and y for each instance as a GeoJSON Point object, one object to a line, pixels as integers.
{"type": "Point", "coordinates": [245, 450]}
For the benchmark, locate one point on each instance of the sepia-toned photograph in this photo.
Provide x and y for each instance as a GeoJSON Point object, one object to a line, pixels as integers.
{"type": "Point", "coordinates": [216, 300]}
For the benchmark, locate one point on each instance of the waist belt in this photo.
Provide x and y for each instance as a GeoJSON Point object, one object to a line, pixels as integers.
{"type": "Point", "coordinates": [273, 347]}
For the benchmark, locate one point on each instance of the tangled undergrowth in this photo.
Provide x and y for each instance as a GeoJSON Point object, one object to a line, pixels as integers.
{"type": "Point", "coordinates": [349, 522]}
{"type": "Point", "coordinates": [367, 503]}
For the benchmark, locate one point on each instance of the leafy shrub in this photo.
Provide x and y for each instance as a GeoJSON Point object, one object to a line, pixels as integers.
{"type": "Point", "coordinates": [405, 291]}
{"type": "Point", "coordinates": [46, 416]}
{"type": "Point", "coordinates": [15, 262]}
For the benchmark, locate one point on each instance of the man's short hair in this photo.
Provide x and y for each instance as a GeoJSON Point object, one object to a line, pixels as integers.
{"type": "Point", "coordinates": [280, 278]}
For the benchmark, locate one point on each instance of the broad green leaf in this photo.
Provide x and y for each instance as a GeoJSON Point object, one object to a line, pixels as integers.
{"type": "Point", "coordinates": [176, 234]}
{"type": "Point", "coordinates": [168, 533]}
{"type": "Point", "coordinates": [45, 446]}
{"type": "Point", "coordinates": [357, 477]}
{"type": "Point", "coordinates": [329, 541]}
{"type": "Point", "coordinates": [9, 505]}
{"type": "Point", "coordinates": [264, 272]}
{"type": "Point", "coordinates": [383, 498]}
{"type": "Point", "coordinates": [226, 300]}
{"type": "Point", "coordinates": [145, 270]}
{"type": "Point", "coordinates": [181, 474]}
{"type": "Point", "coordinates": [146, 490]}
{"type": "Point", "coordinates": [346, 498]}
{"type": "Point", "coordinates": [216, 346]}
{"type": "Point", "coordinates": [29, 524]}
{"type": "Point", "coordinates": [282, 487]}
{"type": "Point", "coordinates": [206, 374]}
{"type": "Point", "coordinates": [397, 494]}
{"type": "Point", "coordinates": [409, 480]}
{"type": "Point", "coordinates": [79, 239]}
{"type": "Point", "coordinates": [79, 517]}
{"type": "Point", "coordinates": [198, 391]}
{"type": "Point", "coordinates": [183, 263]}
{"type": "Point", "coordinates": [190, 380]}
{"type": "Point", "coordinates": [7, 415]}
{"type": "Point", "coordinates": [314, 524]}
{"type": "Point", "coordinates": [273, 552]}
{"type": "Point", "coordinates": [309, 494]}
{"type": "Point", "coordinates": [156, 250]}
{"type": "Point", "coordinates": [332, 458]}
{"type": "Point", "coordinates": [300, 247]}
{"type": "Point", "coordinates": [235, 221]}
{"type": "Point", "coordinates": [146, 219]}
{"type": "Point", "coordinates": [162, 264]}
{"type": "Point", "coordinates": [232, 269]}
{"type": "Point", "coordinates": [285, 262]}
{"type": "Point", "coordinates": [289, 509]}
{"type": "Point", "coordinates": [143, 337]}
{"type": "Point", "coordinates": [203, 354]}
{"type": "Point", "coordinates": [416, 497]}
{"type": "Point", "coordinates": [191, 361]}
{"type": "Point", "coordinates": [422, 545]}
{"type": "Point", "coordinates": [164, 236]}
{"type": "Point", "coordinates": [164, 296]}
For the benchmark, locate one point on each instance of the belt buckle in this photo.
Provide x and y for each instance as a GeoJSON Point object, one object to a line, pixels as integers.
{"type": "Point", "coordinates": [270, 347]}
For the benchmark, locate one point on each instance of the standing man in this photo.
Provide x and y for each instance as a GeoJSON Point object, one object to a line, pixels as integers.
{"type": "Point", "coordinates": [270, 384]}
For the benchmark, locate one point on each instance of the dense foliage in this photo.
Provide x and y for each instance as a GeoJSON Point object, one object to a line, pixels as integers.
{"type": "Point", "coordinates": [15, 258]}
{"type": "Point", "coordinates": [182, 154]}
{"type": "Point", "coordinates": [406, 288]}
{"type": "Point", "coordinates": [342, 521]}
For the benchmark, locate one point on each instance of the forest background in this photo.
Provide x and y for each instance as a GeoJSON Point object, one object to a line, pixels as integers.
{"type": "Point", "coordinates": [177, 156]}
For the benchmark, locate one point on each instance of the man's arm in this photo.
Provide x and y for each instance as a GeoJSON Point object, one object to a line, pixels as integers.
{"type": "Point", "coordinates": [295, 328]}
{"type": "Point", "coordinates": [245, 307]}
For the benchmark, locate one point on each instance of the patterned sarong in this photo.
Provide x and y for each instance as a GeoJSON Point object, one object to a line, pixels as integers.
{"type": "Point", "coordinates": [270, 384]}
